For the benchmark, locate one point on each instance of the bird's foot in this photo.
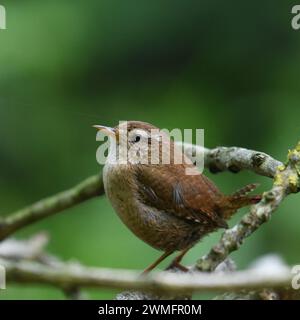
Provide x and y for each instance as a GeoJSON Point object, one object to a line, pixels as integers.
{"type": "Point", "coordinates": [176, 265]}
{"type": "Point", "coordinates": [155, 263]}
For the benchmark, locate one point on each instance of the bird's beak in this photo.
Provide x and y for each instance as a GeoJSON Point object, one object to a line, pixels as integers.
{"type": "Point", "coordinates": [107, 130]}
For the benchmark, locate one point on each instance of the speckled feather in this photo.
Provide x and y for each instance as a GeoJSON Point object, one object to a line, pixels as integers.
{"type": "Point", "coordinates": [190, 197]}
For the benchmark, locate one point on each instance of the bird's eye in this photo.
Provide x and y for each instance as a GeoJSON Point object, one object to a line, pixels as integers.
{"type": "Point", "coordinates": [137, 138]}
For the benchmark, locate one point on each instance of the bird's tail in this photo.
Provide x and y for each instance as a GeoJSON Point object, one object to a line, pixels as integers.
{"type": "Point", "coordinates": [239, 199]}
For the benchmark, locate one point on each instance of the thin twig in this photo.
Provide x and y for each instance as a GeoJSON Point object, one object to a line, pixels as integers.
{"type": "Point", "coordinates": [24, 249]}
{"type": "Point", "coordinates": [86, 190]}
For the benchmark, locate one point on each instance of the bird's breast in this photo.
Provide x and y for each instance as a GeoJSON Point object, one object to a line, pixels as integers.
{"type": "Point", "coordinates": [120, 189]}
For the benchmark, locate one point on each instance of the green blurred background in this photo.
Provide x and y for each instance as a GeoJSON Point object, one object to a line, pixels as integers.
{"type": "Point", "coordinates": [230, 67]}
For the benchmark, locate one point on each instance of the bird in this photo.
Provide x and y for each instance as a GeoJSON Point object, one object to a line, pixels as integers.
{"type": "Point", "coordinates": [158, 201]}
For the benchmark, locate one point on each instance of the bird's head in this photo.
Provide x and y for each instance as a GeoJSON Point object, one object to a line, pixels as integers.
{"type": "Point", "coordinates": [132, 131]}
{"type": "Point", "coordinates": [141, 140]}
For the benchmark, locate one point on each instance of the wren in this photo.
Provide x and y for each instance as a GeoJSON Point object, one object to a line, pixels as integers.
{"type": "Point", "coordinates": [161, 204]}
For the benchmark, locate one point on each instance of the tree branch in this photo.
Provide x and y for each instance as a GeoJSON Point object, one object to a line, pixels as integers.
{"type": "Point", "coordinates": [85, 190]}
{"type": "Point", "coordinates": [218, 159]}
{"type": "Point", "coordinates": [68, 275]}
{"type": "Point", "coordinates": [268, 276]}
{"type": "Point", "coordinates": [233, 159]}
{"type": "Point", "coordinates": [286, 181]}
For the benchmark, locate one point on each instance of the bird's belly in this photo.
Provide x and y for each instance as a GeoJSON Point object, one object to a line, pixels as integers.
{"type": "Point", "coordinates": [161, 230]}
{"type": "Point", "coordinates": [165, 232]}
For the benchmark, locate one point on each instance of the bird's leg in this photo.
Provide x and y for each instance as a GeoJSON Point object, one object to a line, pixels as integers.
{"type": "Point", "coordinates": [156, 262]}
{"type": "Point", "coordinates": [176, 262]}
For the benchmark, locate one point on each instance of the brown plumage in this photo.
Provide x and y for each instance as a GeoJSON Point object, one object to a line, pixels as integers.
{"type": "Point", "coordinates": [160, 203]}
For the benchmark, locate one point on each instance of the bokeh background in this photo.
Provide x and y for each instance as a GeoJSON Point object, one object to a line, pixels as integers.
{"type": "Point", "coordinates": [230, 67]}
